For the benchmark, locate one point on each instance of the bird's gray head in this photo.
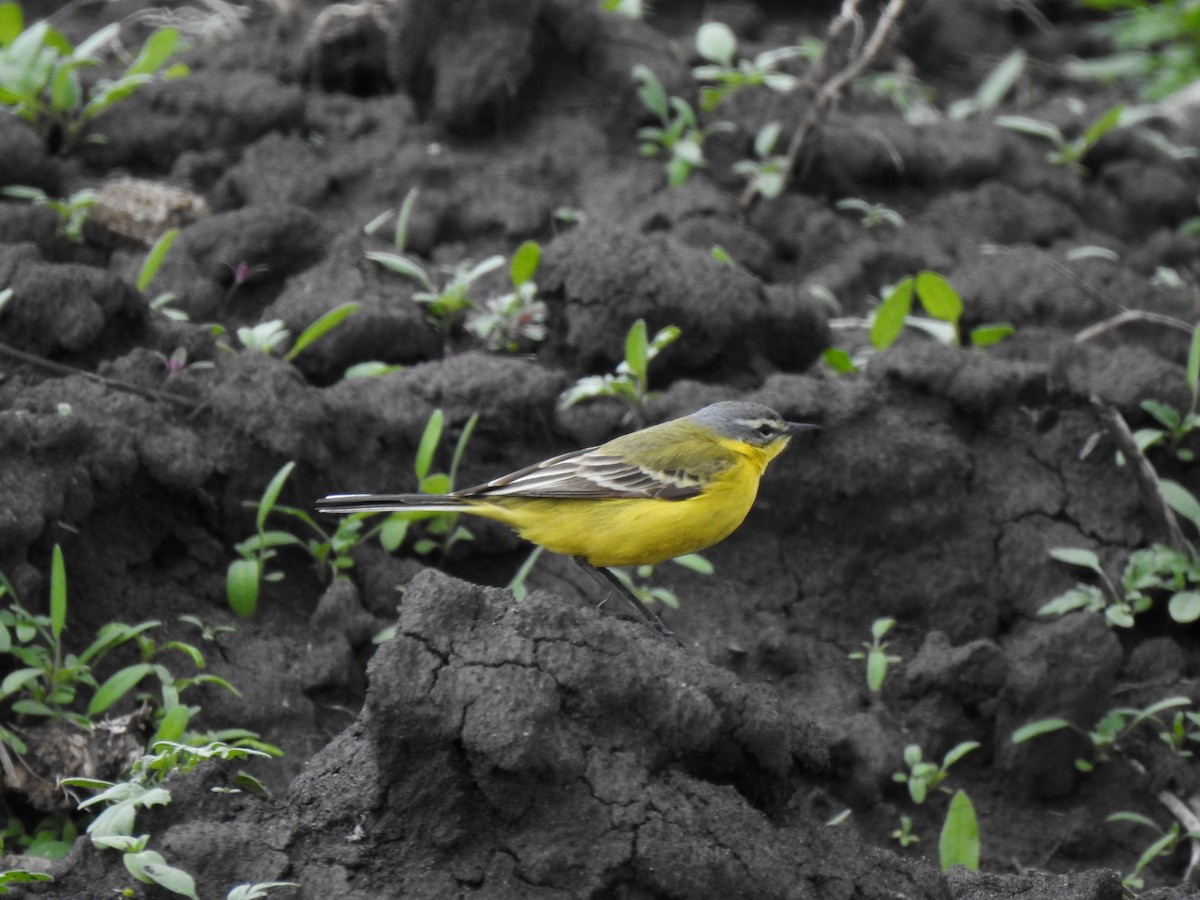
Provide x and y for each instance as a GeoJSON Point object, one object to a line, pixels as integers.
{"type": "Point", "coordinates": [751, 423]}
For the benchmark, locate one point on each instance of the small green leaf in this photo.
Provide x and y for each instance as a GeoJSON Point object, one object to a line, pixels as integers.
{"type": "Point", "coordinates": [636, 350]}
{"type": "Point", "coordinates": [393, 532]}
{"type": "Point", "coordinates": [430, 438]}
{"type": "Point", "coordinates": [651, 92]}
{"type": "Point", "coordinates": [877, 666]}
{"type": "Point", "coordinates": [524, 263]}
{"type": "Point", "coordinates": [1184, 607]}
{"type": "Point", "coordinates": [1181, 500]}
{"type": "Point", "coordinates": [987, 335]}
{"type": "Point", "coordinates": [12, 23]}
{"type": "Point", "coordinates": [888, 321]}
{"type": "Point", "coordinates": [959, 842]}
{"type": "Point", "coordinates": [938, 297]}
{"type": "Point", "coordinates": [117, 686]}
{"type": "Point", "coordinates": [716, 43]}
{"type": "Point", "coordinates": [58, 593]}
{"type": "Point", "coordinates": [155, 52]}
{"type": "Point", "coordinates": [1038, 728]}
{"type": "Point", "coordinates": [173, 724]}
{"type": "Point", "coordinates": [271, 495]}
{"type": "Point", "coordinates": [241, 586]}
{"type": "Point", "coordinates": [839, 360]}
{"type": "Point", "coordinates": [154, 259]}
{"type": "Point", "coordinates": [400, 238]}
{"type": "Point", "coordinates": [695, 562]}
{"type": "Point", "coordinates": [1103, 125]}
{"type": "Point", "coordinates": [1077, 556]}
{"type": "Point", "coordinates": [320, 328]}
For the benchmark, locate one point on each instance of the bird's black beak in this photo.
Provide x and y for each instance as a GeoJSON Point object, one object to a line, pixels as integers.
{"type": "Point", "coordinates": [797, 427]}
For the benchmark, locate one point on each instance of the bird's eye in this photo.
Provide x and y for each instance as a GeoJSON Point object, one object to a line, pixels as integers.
{"type": "Point", "coordinates": [766, 429]}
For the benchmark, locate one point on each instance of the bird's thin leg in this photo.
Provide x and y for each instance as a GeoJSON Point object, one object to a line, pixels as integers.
{"type": "Point", "coordinates": [645, 612]}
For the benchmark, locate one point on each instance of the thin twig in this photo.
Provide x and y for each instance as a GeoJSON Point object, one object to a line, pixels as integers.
{"type": "Point", "coordinates": [1131, 316]}
{"type": "Point", "coordinates": [46, 365]}
{"type": "Point", "coordinates": [832, 87]}
{"type": "Point", "coordinates": [1147, 479]}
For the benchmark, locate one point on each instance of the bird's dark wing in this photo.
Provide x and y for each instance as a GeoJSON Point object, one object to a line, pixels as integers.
{"type": "Point", "coordinates": [587, 475]}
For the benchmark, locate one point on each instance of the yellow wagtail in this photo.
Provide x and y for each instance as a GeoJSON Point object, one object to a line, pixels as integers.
{"type": "Point", "coordinates": [641, 498]}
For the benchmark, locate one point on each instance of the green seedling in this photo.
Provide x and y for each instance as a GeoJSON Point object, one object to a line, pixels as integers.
{"type": "Point", "coordinates": [177, 363]}
{"type": "Point", "coordinates": [922, 775]}
{"type": "Point", "coordinates": [1156, 44]}
{"type": "Point", "coordinates": [1164, 845]}
{"type": "Point", "coordinates": [438, 531]}
{"type": "Point", "coordinates": [637, 581]}
{"type": "Point", "coordinates": [119, 803]}
{"type": "Point", "coordinates": [716, 43]}
{"type": "Point", "coordinates": [39, 73]}
{"type": "Point", "coordinates": [1069, 153]}
{"type": "Point", "coordinates": [679, 137]}
{"type": "Point", "coordinates": [447, 300]}
{"type": "Point", "coordinates": [1157, 568]}
{"type": "Point", "coordinates": [766, 175]}
{"type": "Point", "coordinates": [1184, 727]}
{"type": "Point", "coordinates": [269, 337]}
{"type": "Point", "coordinates": [993, 89]}
{"type": "Point", "coordinates": [873, 214]}
{"type": "Point", "coordinates": [876, 655]}
{"type": "Point", "coordinates": [207, 632]}
{"type": "Point", "coordinates": [371, 369]}
{"type": "Point", "coordinates": [958, 844]}
{"type": "Point", "coordinates": [1108, 732]}
{"type": "Point", "coordinates": [518, 317]}
{"type": "Point", "coordinates": [1176, 425]}
{"type": "Point", "coordinates": [48, 681]}
{"type": "Point", "coordinates": [72, 211]}
{"type": "Point", "coordinates": [50, 838]}
{"type": "Point", "coordinates": [630, 382]}
{"type": "Point", "coordinates": [331, 553]}
{"type": "Point", "coordinates": [904, 835]}
{"type": "Point", "coordinates": [942, 305]}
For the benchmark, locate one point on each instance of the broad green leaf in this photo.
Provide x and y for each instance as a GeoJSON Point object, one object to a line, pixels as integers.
{"type": "Point", "coordinates": [524, 263]}
{"type": "Point", "coordinates": [716, 43]}
{"type": "Point", "coordinates": [320, 328]}
{"type": "Point", "coordinates": [839, 360]}
{"type": "Point", "coordinates": [149, 867]}
{"type": "Point", "coordinates": [12, 23]}
{"type": "Point", "coordinates": [651, 92]}
{"type": "Point", "coordinates": [117, 686]}
{"type": "Point", "coordinates": [18, 679]}
{"type": "Point", "coordinates": [154, 259]}
{"type": "Point", "coordinates": [58, 593]}
{"type": "Point", "coordinates": [1181, 500]}
{"type": "Point", "coordinates": [764, 141]}
{"type": "Point", "coordinates": [938, 297]}
{"type": "Point", "coordinates": [173, 724]}
{"type": "Point", "coordinates": [64, 90]}
{"type": "Point", "coordinates": [403, 266]}
{"type": "Point", "coordinates": [1077, 556]}
{"type": "Point", "coordinates": [271, 495]}
{"type": "Point", "coordinates": [430, 438]}
{"type": "Point", "coordinates": [888, 321]}
{"type": "Point", "coordinates": [1038, 728]}
{"type": "Point", "coordinates": [392, 535]}
{"type": "Point", "coordinates": [1184, 607]}
{"type": "Point", "coordinates": [959, 842]}
{"type": "Point", "coordinates": [1001, 79]}
{"type": "Point", "coordinates": [241, 586]}
{"type": "Point", "coordinates": [637, 350]}
{"type": "Point", "coordinates": [155, 52]}
{"type": "Point", "coordinates": [877, 666]}
{"type": "Point", "coordinates": [256, 891]}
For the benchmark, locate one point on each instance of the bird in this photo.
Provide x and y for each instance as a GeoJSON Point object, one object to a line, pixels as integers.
{"type": "Point", "coordinates": [642, 498]}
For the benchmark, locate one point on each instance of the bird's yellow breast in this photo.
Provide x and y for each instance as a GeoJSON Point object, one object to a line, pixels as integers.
{"type": "Point", "coordinates": [639, 531]}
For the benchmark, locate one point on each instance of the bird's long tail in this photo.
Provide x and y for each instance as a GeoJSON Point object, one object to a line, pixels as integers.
{"type": "Point", "coordinates": [342, 504]}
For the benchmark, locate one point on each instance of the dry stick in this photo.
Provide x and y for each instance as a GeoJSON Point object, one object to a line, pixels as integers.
{"type": "Point", "coordinates": [115, 383]}
{"type": "Point", "coordinates": [831, 89]}
{"type": "Point", "coordinates": [1147, 479]}
{"type": "Point", "coordinates": [1128, 317]}
{"type": "Point", "coordinates": [1190, 821]}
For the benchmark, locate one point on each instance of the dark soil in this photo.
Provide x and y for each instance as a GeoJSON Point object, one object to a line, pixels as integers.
{"type": "Point", "coordinates": [547, 748]}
